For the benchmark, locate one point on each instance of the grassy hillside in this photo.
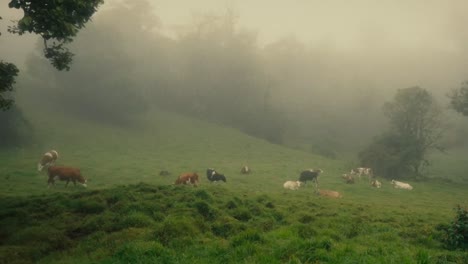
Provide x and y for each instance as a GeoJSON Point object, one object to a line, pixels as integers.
{"type": "Point", "coordinates": [130, 214]}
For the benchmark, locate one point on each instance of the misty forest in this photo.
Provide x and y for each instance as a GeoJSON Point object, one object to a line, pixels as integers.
{"type": "Point", "coordinates": [233, 131]}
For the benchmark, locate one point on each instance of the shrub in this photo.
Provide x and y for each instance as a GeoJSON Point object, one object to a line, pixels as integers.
{"type": "Point", "coordinates": [457, 231]}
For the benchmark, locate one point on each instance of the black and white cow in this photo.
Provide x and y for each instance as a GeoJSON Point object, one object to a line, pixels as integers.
{"type": "Point", "coordinates": [310, 175]}
{"type": "Point", "coordinates": [213, 176]}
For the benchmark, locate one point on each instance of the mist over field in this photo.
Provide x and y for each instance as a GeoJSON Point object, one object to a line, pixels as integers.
{"type": "Point", "coordinates": [157, 89]}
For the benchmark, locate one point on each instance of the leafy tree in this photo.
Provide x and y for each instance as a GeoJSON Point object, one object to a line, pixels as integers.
{"type": "Point", "coordinates": [8, 72]}
{"type": "Point", "coordinates": [459, 99]}
{"type": "Point", "coordinates": [57, 22]}
{"type": "Point", "coordinates": [416, 128]}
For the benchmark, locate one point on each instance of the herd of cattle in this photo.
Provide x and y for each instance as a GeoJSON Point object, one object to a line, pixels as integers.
{"type": "Point", "coordinates": [74, 175]}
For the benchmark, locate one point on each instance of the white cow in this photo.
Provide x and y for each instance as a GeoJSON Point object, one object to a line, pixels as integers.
{"type": "Point", "coordinates": [292, 185]}
{"type": "Point", "coordinates": [401, 185]}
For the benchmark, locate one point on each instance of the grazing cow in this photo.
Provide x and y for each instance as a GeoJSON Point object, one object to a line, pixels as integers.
{"type": "Point", "coordinates": [401, 185]}
{"type": "Point", "coordinates": [362, 171]}
{"type": "Point", "coordinates": [349, 179]}
{"type": "Point", "coordinates": [376, 184]}
{"type": "Point", "coordinates": [47, 159]}
{"type": "Point", "coordinates": [292, 185]}
{"type": "Point", "coordinates": [245, 170]}
{"type": "Point", "coordinates": [310, 175]}
{"type": "Point", "coordinates": [214, 176]}
{"type": "Point", "coordinates": [164, 173]}
{"type": "Point", "coordinates": [187, 178]}
{"type": "Point", "coordinates": [65, 174]}
{"type": "Point", "coordinates": [328, 193]}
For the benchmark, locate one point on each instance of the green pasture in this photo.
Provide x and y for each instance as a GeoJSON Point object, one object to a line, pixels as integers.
{"type": "Point", "coordinates": [131, 214]}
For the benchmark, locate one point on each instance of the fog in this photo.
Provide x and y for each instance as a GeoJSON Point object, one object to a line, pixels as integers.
{"type": "Point", "coordinates": [308, 74]}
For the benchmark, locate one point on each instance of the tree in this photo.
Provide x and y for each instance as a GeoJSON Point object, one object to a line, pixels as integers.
{"type": "Point", "coordinates": [416, 128]}
{"type": "Point", "coordinates": [8, 72]}
{"type": "Point", "coordinates": [459, 99]}
{"type": "Point", "coordinates": [57, 22]}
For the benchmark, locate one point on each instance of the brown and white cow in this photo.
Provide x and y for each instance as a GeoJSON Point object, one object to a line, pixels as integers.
{"type": "Point", "coordinates": [349, 179]}
{"type": "Point", "coordinates": [362, 171]}
{"type": "Point", "coordinates": [187, 178]}
{"type": "Point", "coordinates": [47, 159]}
{"type": "Point", "coordinates": [376, 184]}
{"type": "Point", "coordinates": [65, 174]}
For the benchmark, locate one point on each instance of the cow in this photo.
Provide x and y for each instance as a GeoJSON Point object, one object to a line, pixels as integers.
{"type": "Point", "coordinates": [292, 185]}
{"type": "Point", "coordinates": [328, 193]}
{"type": "Point", "coordinates": [349, 179]}
{"type": "Point", "coordinates": [310, 175]}
{"type": "Point", "coordinates": [47, 159]}
{"type": "Point", "coordinates": [65, 174]}
{"type": "Point", "coordinates": [214, 176]}
{"type": "Point", "coordinates": [245, 170]}
{"type": "Point", "coordinates": [401, 185]}
{"type": "Point", "coordinates": [362, 171]}
{"type": "Point", "coordinates": [187, 178]}
{"type": "Point", "coordinates": [376, 184]}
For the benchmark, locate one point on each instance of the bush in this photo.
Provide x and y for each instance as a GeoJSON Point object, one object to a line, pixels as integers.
{"type": "Point", "coordinates": [457, 231]}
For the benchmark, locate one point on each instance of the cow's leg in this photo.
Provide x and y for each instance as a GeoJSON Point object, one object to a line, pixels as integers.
{"type": "Point", "coordinates": [66, 184]}
{"type": "Point", "coordinates": [316, 185]}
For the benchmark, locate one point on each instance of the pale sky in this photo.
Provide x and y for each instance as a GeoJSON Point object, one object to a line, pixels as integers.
{"type": "Point", "coordinates": [369, 27]}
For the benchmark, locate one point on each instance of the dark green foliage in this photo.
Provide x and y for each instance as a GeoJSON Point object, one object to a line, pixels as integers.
{"type": "Point", "coordinates": [205, 210]}
{"type": "Point", "coordinates": [15, 130]}
{"type": "Point", "coordinates": [176, 229]}
{"type": "Point", "coordinates": [142, 252]}
{"type": "Point", "coordinates": [415, 120]}
{"type": "Point", "coordinates": [8, 72]}
{"type": "Point", "coordinates": [390, 156]}
{"type": "Point", "coordinates": [457, 231]}
{"type": "Point", "coordinates": [241, 214]}
{"type": "Point", "coordinates": [54, 20]}
{"type": "Point", "coordinates": [459, 99]}
{"type": "Point", "coordinates": [204, 195]}
{"type": "Point", "coordinates": [246, 237]}
{"type": "Point", "coordinates": [88, 206]}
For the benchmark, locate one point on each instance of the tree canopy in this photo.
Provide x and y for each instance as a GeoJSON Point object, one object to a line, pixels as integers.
{"type": "Point", "coordinates": [57, 22]}
{"type": "Point", "coordinates": [459, 99]}
{"type": "Point", "coordinates": [416, 127]}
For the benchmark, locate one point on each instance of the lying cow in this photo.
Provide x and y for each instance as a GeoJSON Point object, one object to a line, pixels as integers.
{"type": "Point", "coordinates": [214, 176]}
{"type": "Point", "coordinates": [47, 159]}
{"type": "Point", "coordinates": [328, 193]}
{"type": "Point", "coordinates": [310, 175]}
{"type": "Point", "coordinates": [362, 171]}
{"type": "Point", "coordinates": [401, 185]}
{"type": "Point", "coordinates": [65, 174]}
{"type": "Point", "coordinates": [349, 179]}
{"type": "Point", "coordinates": [245, 170]}
{"type": "Point", "coordinates": [376, 184]}
{"type": "Point", "coordinates": [187, 178]}
{"type": "Point", "coordinates": [292, 185]}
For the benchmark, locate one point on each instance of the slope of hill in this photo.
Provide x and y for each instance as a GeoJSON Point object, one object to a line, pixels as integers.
{"type": "Point", "coordinates": [249, 219]}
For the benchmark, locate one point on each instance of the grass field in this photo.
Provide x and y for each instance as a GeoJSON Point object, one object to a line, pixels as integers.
{"type": "Point", "coordinates": [130, 214]}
